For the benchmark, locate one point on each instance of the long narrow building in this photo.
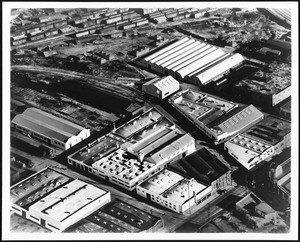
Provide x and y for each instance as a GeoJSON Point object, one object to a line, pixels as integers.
{"type": "Point", "coordinates": [49, 128]}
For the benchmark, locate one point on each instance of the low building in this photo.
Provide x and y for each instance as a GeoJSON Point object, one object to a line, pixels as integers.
{"type": "Point", "coordinates": [54, 200]}
{"type": "Point", "coordinates": [217, 118]}
{"type": "Point", "coordinates": [280, 174]}
{"type": "Point", "coordinates": [49, 53]}
{"type": "Point", "coordinates": [161, 87]}
{"type": "Point", "coordinates": [260, 142]}
{"type": "Point", "coordinates": [257, 212]}
{"type": "Point", "coordinates": [49, 128]}
{"type": "Point", "coordinates": [136, 150]}
{"type": "Point", "coordinates": [134, 109]}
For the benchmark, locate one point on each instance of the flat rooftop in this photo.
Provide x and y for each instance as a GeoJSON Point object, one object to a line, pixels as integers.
{"type": "Point", "coordinates": [95, 150]}
{"type": "Point", "coordinates": [173, 186]}
{"type": "Point", "coordinates": [123, 165]}
{"type": "Point", "coordinates": [270, 130]}
{"type": "Point", "coordinates": [250, 144]}
{"type": "Point", "coordinates": [201, 106]}
{"type": "Point", "coordinates": [270, 81]}
{"type": "Point", "coordinates": [37, 186]}
{"type": "Point", "coordinates": [67, 200]}
{"type": "Point", "coordinates": [130, 214]}
{"type": "Point", "coordinates": [130, 150]}
{"type": "Point", "coordinates": [217, 114]}
{"type": "Point", "coordinates": [116, 216]}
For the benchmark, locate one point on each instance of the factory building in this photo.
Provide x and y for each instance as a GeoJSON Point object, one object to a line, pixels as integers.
{"type": "Point", "coordinates": [49, 128]}
{"type": "Point", "coordinates": [136, 150]}
{"type": "Point", "coordinates": [54, 200]}
{"type": "Point", "coordinates": [161, 87]}
{"type": "Point", "coordinates": [192, 181]}
{"type": "Point", "coordinates": [173, 191]}
{"type": "Point", "coordinates": [192, 60]}
{"type": "Point", "coordinates": [265, 139]}
{"type": "Point", "coordinates": [217, 118]}
{"type": "Point", "coordinates": [118, 216]}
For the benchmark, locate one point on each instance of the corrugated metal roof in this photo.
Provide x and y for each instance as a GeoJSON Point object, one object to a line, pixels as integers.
{"type": "Point", "coordinates": [47, 124]}
{"type": "Point", "coordinates": [219, 68]}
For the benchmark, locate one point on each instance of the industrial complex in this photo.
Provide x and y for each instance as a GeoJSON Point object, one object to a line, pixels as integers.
{"type": "Point", "coordinates": [134, 151]}
{"type": "Point", "coordinates": [218, 119]}
{"type": "Point", "coordinates": [201, 181]}
{"type": "Point", "coordinates": [150, 120]}
{"type": "Point", "coordinates": [192, 60]}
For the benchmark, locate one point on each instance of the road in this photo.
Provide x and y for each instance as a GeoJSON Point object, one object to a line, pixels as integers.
{"type": "Point", "coordinates": [103, 84]}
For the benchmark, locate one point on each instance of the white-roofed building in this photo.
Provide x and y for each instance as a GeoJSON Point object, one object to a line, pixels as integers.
{"type": "Point", "coordinates": [192, 60]}
{"type": "Point", "coordinates": [218, 69]}
{"type": "Point", "coordinates": [134, 151]}
{"type": "Point", "coordinates": [161, 87]}
{"type": "Point", "coordinates": [55, 200]}
{"type": "Point", "coordinates": [260, 142]}
{"type": "Point", "coordinates": [173, 191]}
{"type": "Point", "coordinates": [49, 128]}
{"type": "Point", "coordinates": [217, 118]}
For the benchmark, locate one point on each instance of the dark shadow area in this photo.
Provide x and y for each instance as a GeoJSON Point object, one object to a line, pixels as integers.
{"type": "Point", "coordinates": [229, 202]}
{"type": "Point", "coordinates": [187, 228]}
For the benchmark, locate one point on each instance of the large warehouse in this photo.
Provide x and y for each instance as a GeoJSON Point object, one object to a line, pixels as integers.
{"type": "Point", "coordinates": [49, 128]}
{"type": "Point", "coordinates": [217, 118]}
{"type": "Point", "coordinates": [192, 60]}
{"type": "Point", "coordinates": [264, 140]}
{"type": "Point", "coordinates": [55, 200]}
{"type": "Point", "coordinates": [134, 151]}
